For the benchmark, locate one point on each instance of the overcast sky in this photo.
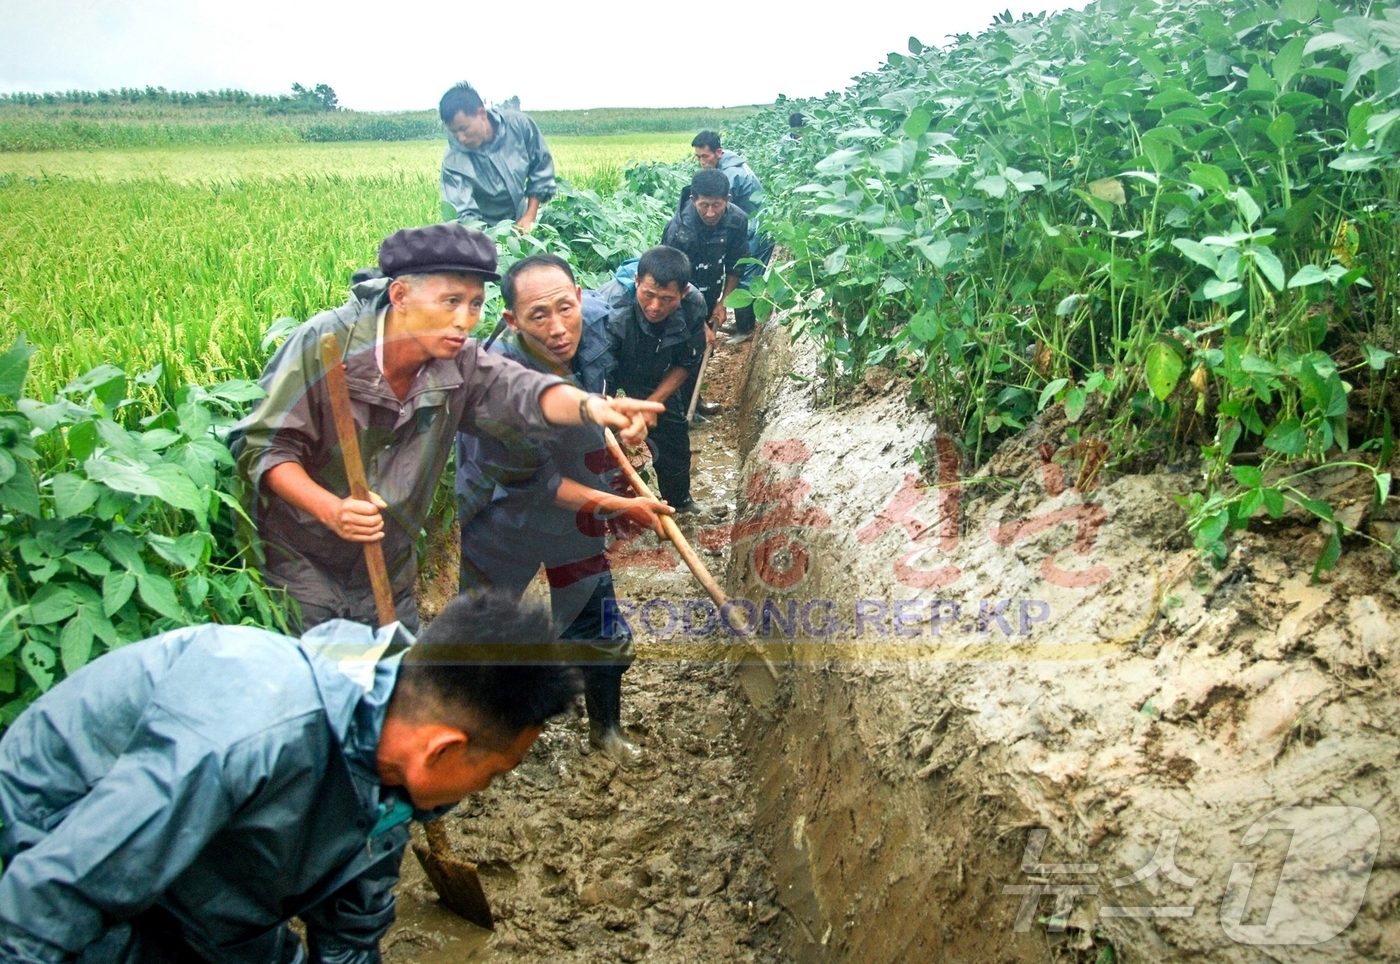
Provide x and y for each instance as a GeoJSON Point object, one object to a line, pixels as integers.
{"type": "Point", "coordinates": [401, 56]}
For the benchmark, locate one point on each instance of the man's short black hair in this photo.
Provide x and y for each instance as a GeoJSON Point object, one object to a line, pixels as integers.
{"type": "Point", "coordinates": [709, 182]}
{"type": "Point", "coordinates": [462, 98]}
{"type": "Point", "coordinates": [489, 665]}
{"type": "Point", "coordinates": [706, 139]}
{"type": "Point", "coordinates": [665, 266]}
{"type": "Point", "coordinates": [513, 273]}
{"type": "Point", "coordinates": [796, 120]}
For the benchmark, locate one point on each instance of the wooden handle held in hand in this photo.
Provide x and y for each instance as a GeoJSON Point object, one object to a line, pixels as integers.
{"type": "Point", "coordinates": [673, 531]}
{"type": "Point", "coordinates": [339, 391]}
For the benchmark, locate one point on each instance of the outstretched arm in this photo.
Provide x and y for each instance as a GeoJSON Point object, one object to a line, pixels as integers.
{"type": "Point", "coordinates": [565, 405]}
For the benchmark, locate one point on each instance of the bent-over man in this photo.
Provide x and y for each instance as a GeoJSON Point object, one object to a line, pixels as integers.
{"type": "Point", "coordinates": [497, 166]}
{"type": "Point", "coordinates": [415, 380]}
{"type": "Point", "coordinates": [180, 799]}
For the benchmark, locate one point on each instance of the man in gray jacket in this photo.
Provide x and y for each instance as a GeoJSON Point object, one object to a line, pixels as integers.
{"type": "Point", "coordinates": [497, 166]}
{"type": "Point", "coordinates": [415, 380]}
{"type": "Point", "coordinates": [180, 799]}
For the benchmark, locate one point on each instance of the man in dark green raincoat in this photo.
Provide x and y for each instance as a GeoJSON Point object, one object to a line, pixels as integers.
{"type": "Point", "coordinates": [180, 799]}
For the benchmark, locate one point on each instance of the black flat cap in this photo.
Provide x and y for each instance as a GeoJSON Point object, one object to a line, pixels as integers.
{"type": "Point", "coordinates": [438, 248]}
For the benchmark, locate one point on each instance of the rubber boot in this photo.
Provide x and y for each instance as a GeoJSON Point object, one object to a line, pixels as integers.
{"type": "Point", "coordinates": [602, 695]}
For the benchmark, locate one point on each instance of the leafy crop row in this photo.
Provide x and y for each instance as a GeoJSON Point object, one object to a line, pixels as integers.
{"type": "Point", "coordinates": [1174, 219]}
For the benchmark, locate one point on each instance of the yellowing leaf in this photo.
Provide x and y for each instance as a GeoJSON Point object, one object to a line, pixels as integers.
{"type": "Point", "coordinates": [1108, 189]}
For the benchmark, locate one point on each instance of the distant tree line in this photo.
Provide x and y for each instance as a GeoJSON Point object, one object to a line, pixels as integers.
{"type": "Point", "coordinates": [302, 100]}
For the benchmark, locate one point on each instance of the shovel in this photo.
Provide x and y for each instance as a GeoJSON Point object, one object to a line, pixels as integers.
{"type": "Point", "coordinates": [455, 880]}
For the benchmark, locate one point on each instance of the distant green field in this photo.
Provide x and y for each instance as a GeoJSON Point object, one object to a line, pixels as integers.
{"type": "Point", "coordinates": [583, 160]}
{"type": "Point", "coordinates": [98, 126]}
{"type": "Point", "coordinates": [183, 256]}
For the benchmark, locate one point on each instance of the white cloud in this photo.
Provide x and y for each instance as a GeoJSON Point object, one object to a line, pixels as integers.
{"type": "Point", "coordinates": [403, 56]}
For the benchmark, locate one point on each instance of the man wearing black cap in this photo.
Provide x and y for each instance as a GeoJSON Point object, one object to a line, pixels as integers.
{"type": "Point", "coordinates": [415, 380]}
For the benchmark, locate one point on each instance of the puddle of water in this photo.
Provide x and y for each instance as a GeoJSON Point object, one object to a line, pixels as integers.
{"type": "Point", "coordinates": [426, 933]}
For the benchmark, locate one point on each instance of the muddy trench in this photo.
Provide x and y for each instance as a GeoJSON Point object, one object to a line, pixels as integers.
{"type": "Point", "coordinates": [583, 861]}
{"type": "Point", "coordinates": [974, 717]}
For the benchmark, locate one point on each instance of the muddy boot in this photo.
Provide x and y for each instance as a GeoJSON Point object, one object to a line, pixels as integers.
{"type": "Point", "coordinates": [615, 746]}
{"type": "Point", "coordinates": [602, 693]}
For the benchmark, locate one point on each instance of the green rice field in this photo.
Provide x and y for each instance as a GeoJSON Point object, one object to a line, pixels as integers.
{"type": "Point", "coordinates": [183, 256]}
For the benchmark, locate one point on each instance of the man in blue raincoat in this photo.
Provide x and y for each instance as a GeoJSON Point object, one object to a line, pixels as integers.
{"type": "Point", "coordinates": [497, 166]}
{"type": "Point", "coordinates": [530, 503]}
{"type": "Point", "coordinates": [182, 798]}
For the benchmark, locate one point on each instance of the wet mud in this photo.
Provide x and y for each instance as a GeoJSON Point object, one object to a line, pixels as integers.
{"type": "Point", "coordinates": [583, 861]}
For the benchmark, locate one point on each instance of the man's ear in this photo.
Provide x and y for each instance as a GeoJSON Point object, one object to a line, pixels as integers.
{"type": "Point", "coordinates": [398, 293]}
{"type": "Point", "coordinates": [508, 317]}
{"type": "Point", "coordinates": [441, 740]}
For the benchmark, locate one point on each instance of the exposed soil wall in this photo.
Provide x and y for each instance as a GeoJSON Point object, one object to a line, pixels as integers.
{"type": "Point", "coordinates": [1089, 718]}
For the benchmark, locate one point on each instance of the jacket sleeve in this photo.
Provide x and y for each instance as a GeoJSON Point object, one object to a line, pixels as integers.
{"type": "Point", "coordinates": [283, 427]}
{"type": "Point", "coordinates": [539, 182]}
{"type": "Point", "coordinates": [503, 397]}
{"type": "Point", "coordinates": [457, 191]}
{"type": "Point", "coordinates": [346, 927]}
{"type": "Point", "coordinates": [119, 848]}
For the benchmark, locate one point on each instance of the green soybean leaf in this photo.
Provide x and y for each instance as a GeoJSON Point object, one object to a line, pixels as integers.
{"type": "Point", "coordinates": [1382, 487]}
{"type": "Point", "coordinates": [158, 593]}
{"type": "Point", "coordinates": [1215, 288]}
{"type": "Point", "coordinates": [38, 660]}
{"type": "Point", "coordinates": [1209, 177]}
{"type": "Point", "coordinates": [117, 588]}
{"type": "Point", "coordinates": [1049, 392]}
{"type": "Point", "coordinates": [1249, 209]}
{"type": "Point", "coordinates": [73, 494]}
{"type": "Point", "coordinates": [1075, 400]}
{"type": "Point", "coordinates": [1308, 274]}
{"type": "Point", "coordinates": [1303, 11]}
{"type": "Point", "coordinates": [1248, 476]}
{"type": "Point", "coordinates": [1274, 503]}
{"type": "Point", "coordinates": [93, 563]}
{"type": "Point", "coordinates": [1286, 437]}
{"type": "Point", "coordinates": [20, 492]}
{"type": "Point", "coordinates": [1286, 63]}
{"type": "Point", "coordinates": [917, 124]}
{"type": "Point", "coordinates": [1282, 131]}
{"type": "Point", "coordinates": [1330, 554]}
{"type": "Point", "coordinates": [738, 298]}
{"type": "Point", "coordinates": [75, 644]}
{"type": "Point", "coordinates": [836, 259]}
{"type": "Point", "coordinates": [1197, 252]}
{"type": "Point", "coordinates": [1318, 508]}
{"type": "Point", "coordinates": [51, 604]}
{"type": "Point", "coordinates": [1376, 357]}
{"type": "Point", "coordinates": [1163, 368]}
{"type": "Point", "coordinates": [1269, 266]}
{"type": "Point", "coordinates": [14, 366]}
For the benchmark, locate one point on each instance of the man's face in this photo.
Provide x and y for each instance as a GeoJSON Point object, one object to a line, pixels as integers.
{"type": "Point", "coordinates": [707, 157]}
{"type": "Point", "coordinates": [462, 769]}
{"type": "Point", "coordinates": [657, 301]}
{"type": "Point", "coordinates": [471, 130]}
{"type": "Point", "coordinates": [710, 209]}
{"type": "Point", "coordinates": [548, 313]}
{"type": "Point", "coordinates": [439, 313]}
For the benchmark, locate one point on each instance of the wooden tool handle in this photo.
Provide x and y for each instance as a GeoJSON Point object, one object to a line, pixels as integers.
{"type": "Point", "coordinates": [339, 391]}
{"type": "Point", "coordinates": [699, 378]}
{"type": "Point", "coordinates": [668, 524]}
